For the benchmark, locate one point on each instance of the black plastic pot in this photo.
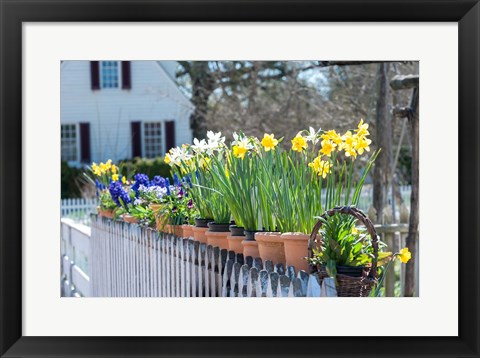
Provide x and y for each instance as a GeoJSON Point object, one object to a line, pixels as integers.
{"type": "Point", "coordinates": [236, 230]}
{"type": "Point", "coordinates": [202, 222]}
{"type": "Point", "coordinates": [250, 234]}
{"type": "Point", "coordinates": [214, 227]}
{"type": "Point", "coordinates": [352, 271]}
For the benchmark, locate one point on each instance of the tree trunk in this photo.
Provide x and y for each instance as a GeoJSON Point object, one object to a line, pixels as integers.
{"type": "Point", "coordinates": [383, 169]}
{"type": "Point", "coordinates": [412, 237]}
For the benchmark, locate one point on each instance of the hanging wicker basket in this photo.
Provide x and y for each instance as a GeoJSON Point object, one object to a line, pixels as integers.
{"type": "Point", "coordinates": [348, 285]}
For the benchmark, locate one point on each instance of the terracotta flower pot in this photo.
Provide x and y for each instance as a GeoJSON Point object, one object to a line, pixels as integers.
{"type": "Point", "coordinates": [129, 218]}
{"type": "Point", "coordinates": [217, 235]}
{"type": "Point", "coordinates": [270, 246]}
{"type": "Point", "coordinates": [187, 231]}
{"type": "Point", "coordinates": [199, 234]}
{"type": "Point", "coordinates": [107, 213]}
{"type": "Point", "coordinates": [173, 229]}
{"type": "Point", "coordinates": [296, 249]}
{"type": "Point", "coordinates": [218, 239]}
{"type": "Point", "coordinates": [250, 248]}
{"type": "Point", "coordinates": [235, 243]}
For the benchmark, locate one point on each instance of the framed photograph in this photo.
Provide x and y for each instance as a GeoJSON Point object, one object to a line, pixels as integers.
{"type": "Point", "coordinates": [98, 85]}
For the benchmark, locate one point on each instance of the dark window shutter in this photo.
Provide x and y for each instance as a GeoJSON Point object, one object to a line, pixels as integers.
{"type": "Point", "coordinates": [95, 74]}
{"type": "Point", "coordinates": [136, 129]}
{"type": "Point", "coordinates": [169, 134]}
{"type": "Point", "coordinates": [126, 75]}
{"type": "Point", "coordinates": [85, 151]}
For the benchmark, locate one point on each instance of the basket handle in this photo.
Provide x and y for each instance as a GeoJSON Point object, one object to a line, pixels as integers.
{"type": "Point", "coordinates": [358, 214]}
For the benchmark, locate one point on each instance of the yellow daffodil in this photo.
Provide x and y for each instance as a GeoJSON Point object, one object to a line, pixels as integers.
{"type": "Point", "coordinates": [114, 169]}
{"type": "Point", "coordinates": [362, 130]}
{"type": "Point", "coordinates": [363, 144]}
{"type": "Point", "coordinates": [328, 147]}
{"type": "Point", "coordinates": [96, 169]}
{"type": "Point", "coordinates": [404, 255]}
{"type": "Point", "coordinates": [299, 143]}
{"type": "Point", "coordinates": [108, 164]}
{"type": "Point", "coordinates": [103, 168]}
{"type": "Point", "coordinates": [115, 177]}
{"type": "Point", "coordinates": [333, 136]}
{"type": "Point", "coordinates": [124, 179]}
{"type": "Point", "coordinates": [269, 142]}
{"type": "Point", "coordinates": [167, 158]}
{"type": "Point", "coordinates": [239, 151]}
{"type": "Point", "coordinates": [321, 167]}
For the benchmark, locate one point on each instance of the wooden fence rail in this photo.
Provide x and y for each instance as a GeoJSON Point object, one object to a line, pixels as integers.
{"type": "Point", "coordinates": [131, 261]}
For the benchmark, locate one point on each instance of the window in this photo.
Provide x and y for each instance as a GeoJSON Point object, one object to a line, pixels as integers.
{"type": "Point", "coordinates": [109, 74]}
{"type": "Point", "coordinates": [69, 138]}
{"type": "Point", "coordinates": [152, 139]}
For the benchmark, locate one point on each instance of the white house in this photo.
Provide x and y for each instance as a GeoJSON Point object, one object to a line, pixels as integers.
{"type": "Point", "coordinates": [121, 109]}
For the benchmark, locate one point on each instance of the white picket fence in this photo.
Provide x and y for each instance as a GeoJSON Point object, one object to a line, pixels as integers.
{"type": "Point", "coordinates": [117, 259]}
{"type": "Point", "coordinates": [78, 209]}
{"type": "Point", "coordinates": [132, 261]}
{"type": "Point", "coordinates": [74, 259]}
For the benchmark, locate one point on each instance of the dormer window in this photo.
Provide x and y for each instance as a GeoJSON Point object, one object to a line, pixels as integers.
{"type": "Point", "coordinates": [110, 75]}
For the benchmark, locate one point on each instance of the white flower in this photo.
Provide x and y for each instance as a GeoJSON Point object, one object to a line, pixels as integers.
{"type": "Point", "coordinates": [199, 146]}
{"type": "Point", "coordinates": [179, 155]}
{"type": "Point", "coordinates": [215, 142]}
{"type": "Point", "coordinates": [313, 136]}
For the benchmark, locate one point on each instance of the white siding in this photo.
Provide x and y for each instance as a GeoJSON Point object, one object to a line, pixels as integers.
{"type": "Point", "coordinates": [154, 97]}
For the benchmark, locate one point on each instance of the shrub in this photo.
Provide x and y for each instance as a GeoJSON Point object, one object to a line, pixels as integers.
{"type": "Point", "coordinates": [70, 180]}
{"type": "Point", "coordinates": [150, 167]}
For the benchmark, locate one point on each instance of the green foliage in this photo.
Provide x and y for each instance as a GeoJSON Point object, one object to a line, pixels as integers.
{"type": "Point", "coordinates": [70, 180]}
{"type": "Point", "coordinates": [150, 167]}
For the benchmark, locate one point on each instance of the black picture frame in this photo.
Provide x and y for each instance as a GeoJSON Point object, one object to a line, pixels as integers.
{"type": "Point", "coordinates": [15, 12]}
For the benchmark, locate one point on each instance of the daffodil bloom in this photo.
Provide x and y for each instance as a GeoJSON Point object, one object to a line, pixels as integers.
{"type": "Point", "coordinates": [239, 151]}
{"type": "Point", "coordinates": [124, 179]}
{"type": "Point", "coordinates": [167, 158]}
{"type": "Point", "coordinates": [108, 164]}
{"type": "Point", "coordinates": [269, 142]}
{"type": "Point", "coordinates": [115, 177]}
{"type": "Point", "coordinates": [349, 140]}
{"type": "Point", "coordinates": [114, 169]}
{"type": "Point", "coordinates": [328, 147]}
{"type": "Point", "coordinates": [350, 152]}
{"type": "Point", "coordinates": [404, 255]}
{"type": "Point", "coordinates": [103, 168]}
{"type": "Point", "coordinates": [333, 136]}
{"type": "Point", "coordinates": [362, 130]}
{"type": "Point", "coordinates": [363, 144]}
{"type": "Point", "coordinates": [312, 135]}
{"type": "Point", "coordinates": [299, 143]}
{"type": "Point", "coordinates": [96, 169]}
{"type": "Point", "coordinates": [320, 167]}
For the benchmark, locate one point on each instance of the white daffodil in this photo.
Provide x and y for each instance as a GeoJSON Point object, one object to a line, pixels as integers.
{"type": "Point", "coordinates": [245, 143]}
{"type": "Point", "coordinates": [313, 136]}
{"type": "Point", "coordinates": [179, 155]}
{"type": "Point", "coordinates": [199, 146]}
{"type": "Point", "coordinates": [215, 142]}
